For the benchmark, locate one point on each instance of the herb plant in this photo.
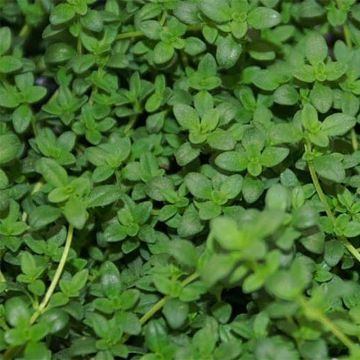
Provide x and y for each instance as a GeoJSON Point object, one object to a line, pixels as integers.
{"type": "Point", "coordinates": [179, 179]}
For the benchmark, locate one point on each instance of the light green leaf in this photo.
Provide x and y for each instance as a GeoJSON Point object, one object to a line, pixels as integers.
{"type": "Point", "coordinates": [263, 18]}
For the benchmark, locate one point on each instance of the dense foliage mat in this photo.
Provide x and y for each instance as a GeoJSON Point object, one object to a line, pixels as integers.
{"type": "Point", "coordinates": [179, 179]}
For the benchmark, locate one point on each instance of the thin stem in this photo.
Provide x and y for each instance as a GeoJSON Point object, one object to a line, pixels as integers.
{"type": "Point", "coordinates": [2, 277]}
{"type": "Point", "coordinates": [318, 187]}
{"type": "Point", "coordinates": [354, 140]}
{"type": "Point", "coordinates": [352, 250]}
{"type": "Point", "coordinates": [57, 276]}
{"type": "Point", "coordinates": [130, 35]}
{"type": "Point", "coordinates": [130, 124]}
{"type": "Point", "coordinates": [350, 247]}
{"type": "Point", "coordinates": [11, 352]}
{"type": "Point", "coordinates": [163, 301]}
{"type": "Point", "coordinates": [157, 307]}
{"type": "Point", "coordinates": [327, 323]}
{"type": "Point", "coordinates": [190, 279]}
{"type": "Point", "coordinates": [160, 304]}
{"type": "Point", "coordinates": [163, 18]}
{"type": "Point", "coordinates": [347, 35]}
{"type": "Point", "coordinates": [346, 30]}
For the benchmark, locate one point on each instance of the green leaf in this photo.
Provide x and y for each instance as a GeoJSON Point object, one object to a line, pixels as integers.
{"type": "Point", "coordinates": [232, 161]}
{"type": "Point", "coordinates": [52, 172]}
{"type": "Point", "coordinates": [289, 284]}
{"type": "Point", "coordinates": [228, 52]}
{"type": "Point", "coordinates": [104, 195]}
{"type": "Point", "coordinates": [37, 350]}
{"type": "Point", "coordinates": [75, 212]}
{"type": "Point", "coordinates": [115, 232]}
{"type": "Point", "coordinates": [334, 251]}
{"type": "Point", "coordinates": [43, 216]}
{"type": "Point", "coordinates": [330, 167]}
{"type": "Point", "coordinates": [263, 18]}
{"type": "Point", "coordinates": [216, 10]}
{"type": "Point", "coordinates": [17, 311]}
{"type": "Point", "coordinates": [252, 189]}
{"type": "Point", "coordinates": [62, 13]}
{"type": "Point", "coordinates": [184, 252]}
{"type": "Point", "coordinates": [163, 52]}
{"type": "Point", "coordinates": [190, 223]}
{"type": "Point", "coordinates": [28, 264]}
{"type": "Point", "coordinates": [337, 124]}
{"type": "Point", "coordinates": [33, 94]}
{"type": "Point", "coordinates": [9, 64]}
{"type": "Point", "coordinates": [305, 73]}
{"type": "Point", "coordinates": [273, 156]}
{"type": "Point", "coordinates": [22, 118]}
{"type": "Point", "coordinates": [199, 185]}
{"type": "Point", "coordinates": [221, 140]}
{"type": "Point", "coordinates": [176, 312]}
{"type": "Point", "coordinates": [194, 46]}
{"type": "Point", "coordinates": [5, 36]}
{"type": "Point", "coordinates": [277, 197]}
{"type": "Point", "coordinates": [59, 53]}
{"type": "Point", "coordinates": [186, 153]}
{"type": "Point", "coordinates": [335, 70]}
{"type": "Point", "coordinates": [10, 148]}
{"type": "Point", "coordinates": [186, 116]}
{"type": "Point", "coordinates": [9, 97]}
{"type": "Point", "coordinates": [321, 97]}
{"type": "Point", "coordinates": [352, 229]}
{"type": "Point", "coordinates": [227, 233]}
{"type": "Point", "coordinates": [72, 287]}
{"type": "Point", "coordinates": [309, 118]}
{"type": "Point", "coordinates": [110, 280]}
{"type": "Point", "coordinates": [286, 95]}
{"type": "Point", "coordinates": [316, 49]}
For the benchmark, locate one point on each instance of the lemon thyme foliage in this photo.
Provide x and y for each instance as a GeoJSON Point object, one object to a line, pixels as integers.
{"type": "Point", "coordinates": [179, 180]}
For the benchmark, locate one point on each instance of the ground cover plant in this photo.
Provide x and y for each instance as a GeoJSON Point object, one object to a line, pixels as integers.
{"type": "Point", "coordinates": [179, 179]}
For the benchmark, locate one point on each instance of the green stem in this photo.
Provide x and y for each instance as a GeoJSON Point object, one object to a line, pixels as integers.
{"type": "Point", "coordinates": [163, 18]}
{"type": "Point", "coordinates": [130, 124]}
{"type": "Point", "coordinates": [347, 36]}
{"type": "Point", "coordinates": [160, 304]}
{"type": "Point", "coordinates": [163, 301]}
{"type": "Point", "coordinates": [318, 187]}
{"type": "Point", "coordinates": [354, 141]}
{"type": "Point", "coordinates": [13, 351]}
{"type": "Point", "coordinates": [130, 35]}
{"type": "Point", "coordinates": [346, 30]}
{"type": "Point", "coordinates": [42, 307]}
{"type": "Point", "coordinates": [326, 322]}
{"type": "Point", "coordinates": [190, 279]}
{"type": "Point", "coordinates": [352, 250]}
{"type": "Point", "coordinates": [157, 307]}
